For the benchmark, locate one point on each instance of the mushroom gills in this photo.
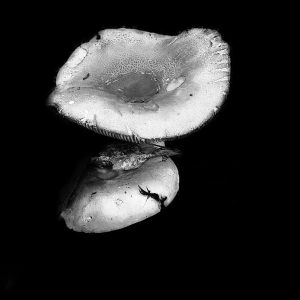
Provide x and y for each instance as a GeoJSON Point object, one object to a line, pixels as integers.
{"type": "Point", "coordinates": [124, 137]}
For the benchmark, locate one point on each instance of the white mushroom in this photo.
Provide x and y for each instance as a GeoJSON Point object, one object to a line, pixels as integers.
{"type": "Point", "coordinates": [120, 188]}
{"type": "Point", "coordinates": [144, 87]}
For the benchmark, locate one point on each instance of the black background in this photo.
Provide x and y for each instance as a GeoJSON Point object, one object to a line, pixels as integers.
{"type": "Point", "coordinates": [209, 229]}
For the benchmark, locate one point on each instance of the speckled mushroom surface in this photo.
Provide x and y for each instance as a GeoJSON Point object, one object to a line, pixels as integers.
{"type": "Point", "coordinates": [144, 87]}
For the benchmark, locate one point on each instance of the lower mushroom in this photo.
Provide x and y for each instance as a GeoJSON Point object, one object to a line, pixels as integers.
{"type": "Point", "coordinates": [122, 185]}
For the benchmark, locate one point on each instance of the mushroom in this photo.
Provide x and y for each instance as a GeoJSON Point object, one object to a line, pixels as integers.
{"type": "Point", "coordinates": [122, 185]}
{"type": "Point", "coordinates": [144, 87]}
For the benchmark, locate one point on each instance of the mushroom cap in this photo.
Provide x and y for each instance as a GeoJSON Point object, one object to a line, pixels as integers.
{"type": "Point", "coordinates": [110, 199]}
{"type": "Point", "coordinates": [140, 86]}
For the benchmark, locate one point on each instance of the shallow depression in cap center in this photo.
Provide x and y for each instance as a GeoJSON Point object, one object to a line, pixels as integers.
{"type": "Point", "coordinates": [134, 87]}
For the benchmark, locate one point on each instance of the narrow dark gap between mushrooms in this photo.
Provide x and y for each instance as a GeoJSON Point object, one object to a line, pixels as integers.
{"type": "Point", "coordinates": [144, 89]}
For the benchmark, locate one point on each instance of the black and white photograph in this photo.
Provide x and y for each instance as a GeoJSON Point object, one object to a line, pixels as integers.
{"type": "Point", "coordinates": [129, 166]}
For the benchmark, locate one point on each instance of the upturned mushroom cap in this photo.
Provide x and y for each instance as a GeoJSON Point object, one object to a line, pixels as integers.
{"type": "Point", "coordinates": [140, 86]}
{"type": "Point", "coordinates": [120, 188]}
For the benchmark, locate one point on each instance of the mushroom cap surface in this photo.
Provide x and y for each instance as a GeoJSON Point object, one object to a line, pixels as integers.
{"type": "Point", "coordinates": [107, 199]}
{"type": "Point", "coordinates": [144, 87]}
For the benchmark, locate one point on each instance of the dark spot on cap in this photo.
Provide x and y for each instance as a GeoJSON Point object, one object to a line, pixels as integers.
{"type": "Point", "coordinates": [86, 77]}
